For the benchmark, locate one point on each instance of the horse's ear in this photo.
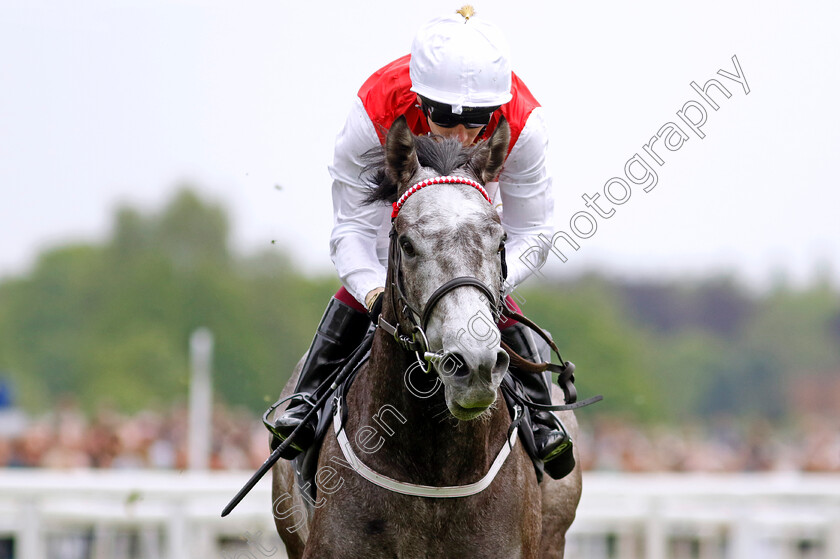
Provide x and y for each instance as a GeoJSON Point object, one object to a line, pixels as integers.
{"type": "Point", "coordinates": [488, 158]}
{"type": "Point", "coordinates": [400, 154]}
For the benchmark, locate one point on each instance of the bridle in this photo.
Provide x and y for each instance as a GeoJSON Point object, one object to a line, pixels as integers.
{"type": "Point", "coordinates": [413, 338]}
{"type": "Point", "coordinates": [417, 342]}
{"type": "Point", "coordinates": [410, 328]}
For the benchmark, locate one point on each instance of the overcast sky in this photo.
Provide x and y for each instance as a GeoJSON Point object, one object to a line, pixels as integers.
{"type": "Point", "coordinates": [117, 102]}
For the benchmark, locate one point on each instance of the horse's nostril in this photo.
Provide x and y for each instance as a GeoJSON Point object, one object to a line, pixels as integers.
{"type": "Point", "coordinates": [454, 365]}
{"type": "Point", "coordinates": [460, 368]}
{"type": "Point", "coordinates": [502, 362]}
{"type": "Point", "coordinates": [461, 371]}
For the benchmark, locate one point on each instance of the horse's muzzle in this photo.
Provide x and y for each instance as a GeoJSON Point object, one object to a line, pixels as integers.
{"type": "Point", "coordinates": [472, 380]}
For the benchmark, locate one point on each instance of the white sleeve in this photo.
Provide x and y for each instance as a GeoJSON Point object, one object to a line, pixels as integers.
{"type": "Point", "coordinates": [353, 243]}
{"type": "Point", "coordinates": [527, 201]}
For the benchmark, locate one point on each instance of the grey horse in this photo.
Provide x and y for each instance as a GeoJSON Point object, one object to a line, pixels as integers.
{"type": "Point", "coordinates": [443, 428]}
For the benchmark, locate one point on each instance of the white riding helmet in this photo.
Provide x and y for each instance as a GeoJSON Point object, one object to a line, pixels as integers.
{"type": "Point", "coordinates": [461, 60]}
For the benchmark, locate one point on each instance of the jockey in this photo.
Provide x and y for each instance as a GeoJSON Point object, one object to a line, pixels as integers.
{"type": "Point", "coordinates": [456, 82]}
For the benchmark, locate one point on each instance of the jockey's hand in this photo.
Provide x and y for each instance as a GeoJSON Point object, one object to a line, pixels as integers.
{"type": "Point", "coordinates": [373, 302]}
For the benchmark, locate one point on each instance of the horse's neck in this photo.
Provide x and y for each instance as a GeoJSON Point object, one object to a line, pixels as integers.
{"type": "Point", "coordinates": [423, 442]}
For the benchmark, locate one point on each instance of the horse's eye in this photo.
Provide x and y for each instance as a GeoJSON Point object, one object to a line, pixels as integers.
{"type": "Point", "coordinates": [407, 247]}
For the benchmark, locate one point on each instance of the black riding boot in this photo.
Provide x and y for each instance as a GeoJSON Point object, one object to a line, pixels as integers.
{"type": "Point", "coordinates": [339, 333]}
{"type": "Point", "coordinates": [554, 447]}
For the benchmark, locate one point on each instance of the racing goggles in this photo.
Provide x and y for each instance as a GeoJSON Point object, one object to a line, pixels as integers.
{"type": "Point", "coordinates": [442, 115]}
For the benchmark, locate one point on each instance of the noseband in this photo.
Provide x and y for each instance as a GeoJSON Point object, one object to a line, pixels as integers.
{"type": "Point", "coordinates": [414, 337]}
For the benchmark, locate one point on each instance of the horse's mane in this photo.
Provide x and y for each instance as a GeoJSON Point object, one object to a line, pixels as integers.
{"type": "Point", "coordinates": [444, 155]}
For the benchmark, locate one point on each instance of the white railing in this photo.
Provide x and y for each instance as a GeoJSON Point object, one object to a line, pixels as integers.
{"type": "Point", "coordinates": [676, 516]}
{"type": "Point", "coordinates": [134, 514]}
{"type": "Point", "coordinates": [171, 515]}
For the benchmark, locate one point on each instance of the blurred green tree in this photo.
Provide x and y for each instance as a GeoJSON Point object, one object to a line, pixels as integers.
{"type": "Point", "coordinates": [587, 322]}
{"type": "Point", "coordinates": [110, 322]}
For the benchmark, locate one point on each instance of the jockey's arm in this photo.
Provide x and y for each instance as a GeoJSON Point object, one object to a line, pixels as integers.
{"type": "Point", "coordinates": [356, 226]}
{"type": "Point", "coordinates": [527, 201]}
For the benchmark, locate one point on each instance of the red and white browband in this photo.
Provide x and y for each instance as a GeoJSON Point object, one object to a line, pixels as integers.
{"type": "Point", "coordinates": [436, 180]}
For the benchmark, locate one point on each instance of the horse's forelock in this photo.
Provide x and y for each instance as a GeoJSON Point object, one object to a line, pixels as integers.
{"type": "Point", "coordinates": [441, 155]}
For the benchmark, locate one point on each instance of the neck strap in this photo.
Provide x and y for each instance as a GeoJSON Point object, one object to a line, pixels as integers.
{"type": "Point", "coordinates": [414, 489]}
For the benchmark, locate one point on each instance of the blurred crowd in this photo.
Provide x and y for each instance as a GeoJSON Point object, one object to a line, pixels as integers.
{"type": "Point", "coordinates": [716, 445]}
{"type": "Point", "coordinates": [69, 438]}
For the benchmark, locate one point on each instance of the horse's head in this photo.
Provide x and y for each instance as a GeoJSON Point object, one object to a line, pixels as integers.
{"type": "Point", "coordinates": [441, 233]}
